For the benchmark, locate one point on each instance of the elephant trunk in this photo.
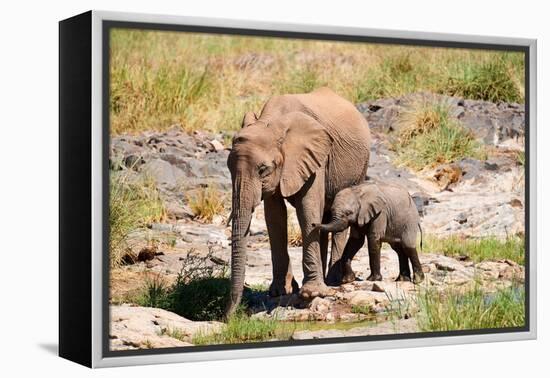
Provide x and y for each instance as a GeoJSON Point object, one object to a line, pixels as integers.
{"type": "Point", "coordinates": [241, 216]}
{"type": "Point", "coordinates": [335, 225]}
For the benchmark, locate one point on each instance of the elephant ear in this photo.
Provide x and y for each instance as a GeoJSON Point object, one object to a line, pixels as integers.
{"type": "Point", "coordinates": [371, 203]}
{"type": "Point", "coordinates": [249, 119]}
{"type": "Point", "coordinates": [305, 146]}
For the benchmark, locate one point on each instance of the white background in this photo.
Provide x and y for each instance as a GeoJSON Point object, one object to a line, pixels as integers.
{"type": "Point", "coordinates": [29, 189]}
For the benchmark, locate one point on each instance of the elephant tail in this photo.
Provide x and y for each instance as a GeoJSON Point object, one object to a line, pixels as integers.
{"type": "Point", "coordinates": [420, 228]}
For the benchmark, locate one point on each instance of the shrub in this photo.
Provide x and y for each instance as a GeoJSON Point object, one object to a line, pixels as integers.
{"type": "Point", "coordinates": [430, 135]}
{"type": "Point", "coordinates": [200, 291]}
{"type": "Point", "coordinates": [133, 205]}
{"type": "Point", "coordinates": [201, 299]}
{"type": "Point", "coordinates": [206, 203]}
{"type": "Point", "coordinates": [473, 309]}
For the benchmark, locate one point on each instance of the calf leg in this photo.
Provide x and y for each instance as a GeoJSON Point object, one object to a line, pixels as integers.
{"type": "Point", "coordinates": [353, 245]}
{"type": "Point", "coordinates": [415, 261]}
{"type": "Point", "coordinates": [404, 270]}
{"type": "Point", "coordinates": [374, 258]}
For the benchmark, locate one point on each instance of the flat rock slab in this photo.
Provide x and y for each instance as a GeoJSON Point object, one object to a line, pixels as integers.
{"type": "Point", "coordinates": [134, 327]}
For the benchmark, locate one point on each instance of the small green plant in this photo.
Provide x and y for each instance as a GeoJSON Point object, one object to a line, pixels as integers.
{"type": "Point", "coordinates": [155, 293]}
{"type": "Point", "coordinates": [520, 158]}
{"type": "Point", "coordinates": [473, 309]}
{"type": "Point", "coordinates": [491, 81]}
{"type": "Point", "coordinates": [133, 205]}
{"type": "Point", "coordinates": [489, 248]}
{"type": "Point", "coordinates": [175, 333]}
{"type": "Point", "coordinates": [365, 309]}
{"type": "Point", "coordinates": [430, 135]}
{"type": "Point", "coordinates": [207, 203]}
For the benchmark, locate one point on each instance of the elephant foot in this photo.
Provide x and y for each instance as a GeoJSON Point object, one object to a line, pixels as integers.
{"type": "Point", "coordinates": [335, 274]}
{"type": "Point", "coordinates": [283, 286]}
{"type": "Point", "coordinates": [374, 277]}
{"type": "Point", "coordinates": [403, 278]}
{"type": "Point", "coordinates": [418, 277]}
{"type": "Point", "coordinates": [349, 274]}
{"type": "Point", "coordinates": [314, 288]}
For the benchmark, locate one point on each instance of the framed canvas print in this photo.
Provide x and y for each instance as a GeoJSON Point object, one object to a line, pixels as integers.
{"type": "Point", "coordinates": [232, 189]}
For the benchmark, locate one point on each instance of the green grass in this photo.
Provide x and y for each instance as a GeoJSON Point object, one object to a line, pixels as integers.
{"type": "Point", "coordinates": [473, 309]}
{"type": "Point", "coordinates": [489, 248]}
{"type": "Point", "coordinates": [207, 82]}
{"type": "Point", "coordinates": [133, 205]}
{"type": "Point", "coordinates": [491, 81]}
{"type": "Point", "coordinates": [243, 329]}
{"type": "Point", "coordinates": [175, 333]}
{"type": "Point", "coordinates": [430, 135]}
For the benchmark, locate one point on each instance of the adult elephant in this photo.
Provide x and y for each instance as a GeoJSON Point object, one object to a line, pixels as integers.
{"type": "Point", "coordinates": [303, 148]}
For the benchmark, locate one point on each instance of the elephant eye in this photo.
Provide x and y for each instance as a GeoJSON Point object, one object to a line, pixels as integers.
{"type": "Point", "coordinates": [264, 170]}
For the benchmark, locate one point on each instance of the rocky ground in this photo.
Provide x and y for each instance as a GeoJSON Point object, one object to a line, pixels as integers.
{"type": "Point", "coordinates": [469, 198]}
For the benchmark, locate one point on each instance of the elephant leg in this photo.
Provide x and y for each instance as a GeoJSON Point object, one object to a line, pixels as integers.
{"type": "Point", "coordinates": [353, 245]}
{"type": "Point", "coordinates": [323, 244]}
{"type": "Point", "coordinates": [276, 221]}
{"type": "Point", "coordinates": [335, 272]}
{"type": "Point", "coordinates": [374, 244]}
{"type": "Point", "coordinates": [418, 274]}
{"type": "Point", "coordinates": [404, 270]}
{"type": "Point", "coordinates": [309, 208]}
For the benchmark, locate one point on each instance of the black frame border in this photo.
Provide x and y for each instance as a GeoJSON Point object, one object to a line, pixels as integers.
{"type": "Point", "coordinates": [75, 189]}
{"type": "Point", "coordinates": [107, 25]}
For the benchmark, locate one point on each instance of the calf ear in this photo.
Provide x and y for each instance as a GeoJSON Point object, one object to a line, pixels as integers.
{"type": "Point", "coordinates": [371, 203]}
{"type": "Point", "coordinates": [249, 119]}
{"type": "Point", "coordinates": [305, 147]}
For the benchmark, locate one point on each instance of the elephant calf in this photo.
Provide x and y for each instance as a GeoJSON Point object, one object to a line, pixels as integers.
{"type": "Point", "coordinates": [383, 213]}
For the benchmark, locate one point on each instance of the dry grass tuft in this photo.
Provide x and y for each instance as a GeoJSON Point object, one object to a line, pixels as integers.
{"type": "Point", "coordinates": [429, 135]}
{"type": "Point", "coordinates": [206, 203]}
{"type": "Point", "coordinates": [294, 234]}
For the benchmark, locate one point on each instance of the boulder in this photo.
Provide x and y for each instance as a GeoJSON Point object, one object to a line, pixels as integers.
{"type": "Point", "coordinates": [366, 298]}
{"type": "Point", "coordinates": [135, 327]}
{"type": "Point", "coordinates": [162, 172]}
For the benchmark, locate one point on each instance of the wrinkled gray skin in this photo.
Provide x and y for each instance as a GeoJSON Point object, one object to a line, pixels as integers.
{"type": "Point", "coordinates": [383, 213]}
{"type": "Point", "coordinates": [298, 149]}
